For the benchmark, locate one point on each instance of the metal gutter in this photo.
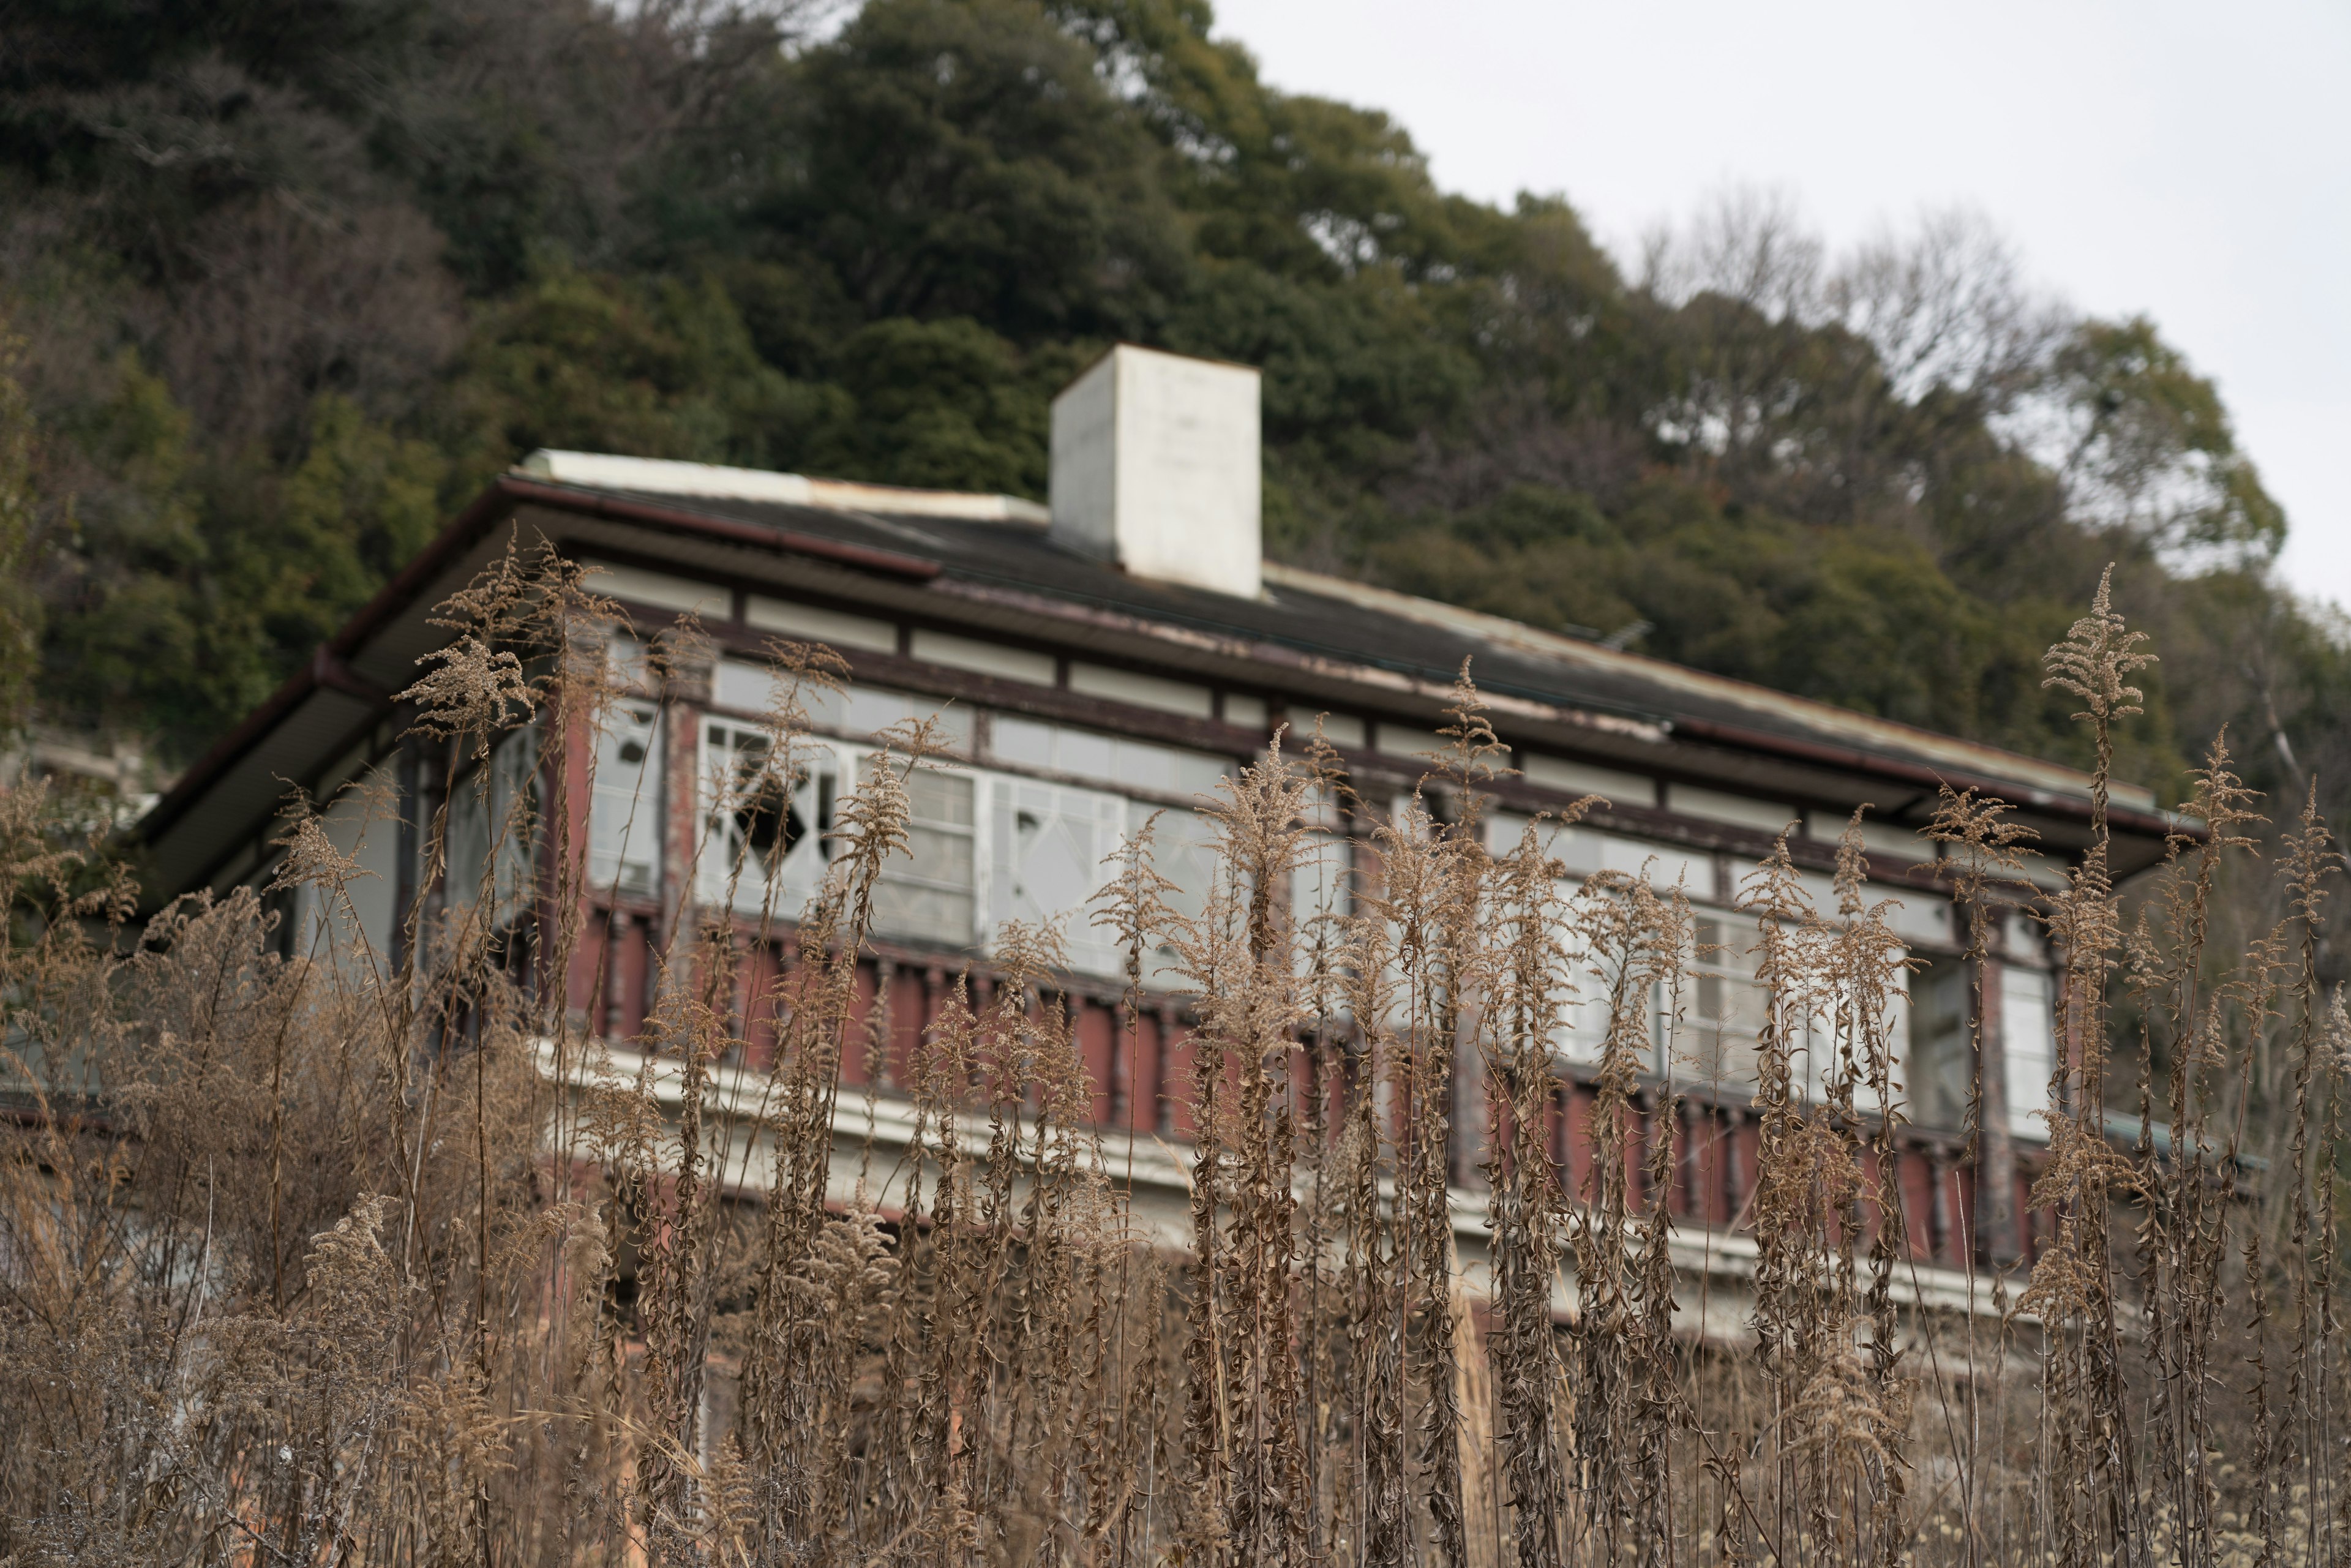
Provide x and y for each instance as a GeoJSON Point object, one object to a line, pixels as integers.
{"type": "Point", "coordinates": [759, 536]}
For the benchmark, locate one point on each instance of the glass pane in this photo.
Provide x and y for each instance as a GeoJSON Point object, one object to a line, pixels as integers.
{"type": "Point", "coordinates": [929, 893]}
{"type": "Point", "coordinates": [940, 855]}
{"type": "Point", "coordinates": [936, 796]}
{"type": "Point", "coordinates": [1723, 1008]}
{"type": "Point", "coordinates": [1725, 1037]}
{"type": "Point", "coordinates": [624, 817]}
{"type": "Point", "coordinates": [1184, 853]}
{"type": "Point", "coordinates": [2030, 1031]}
{"type": "Point", "coordinates": [1940, 1070]}
{"type": "Point", "coordinates": [468, 841]}
{"type": "Point", "coordinates": [901, 908]}
{"type": "Point", "coordinates": [1048, 844]}
{"type": "Point", "coordinates": [765, 838]}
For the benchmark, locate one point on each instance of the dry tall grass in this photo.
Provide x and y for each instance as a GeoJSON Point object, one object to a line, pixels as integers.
{"type": "Point", "coordinates": [342, 1255]}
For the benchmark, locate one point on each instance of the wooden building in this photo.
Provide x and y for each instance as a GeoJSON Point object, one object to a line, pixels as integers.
{"type": "Point", "coordinates": [1113, 656]}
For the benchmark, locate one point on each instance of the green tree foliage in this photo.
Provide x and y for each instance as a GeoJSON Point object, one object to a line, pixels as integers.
{"type": "Point", "coordinates": [962, 160]}
{"type": "Point", "coordinates": [304, 276]}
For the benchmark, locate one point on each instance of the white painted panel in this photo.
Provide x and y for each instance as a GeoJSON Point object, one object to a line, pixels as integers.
{"type": "Point", "coordinates": [1338, 728]}
{"type": "Point", "coordinates": [1878, 838]}
{"type": "Point", "coordinates": [1246, 711]}
{"type": "Point", "coordinates": [819, 623]}
{"type": "Point", "coordinates": [1143, 691]}
{"type": "Point", "coordinates": [2044, 869]}
{"type": "Point", "coordinates": [1665, 865]}
{"type": "Point", "coordinates": [752, 685]}
{"type": "Point", "coordinates": [747, 686]}
{"type": "Point", "coordinates": [635, 585]}
{"type": "Point", "coordinates": [1409, 741]}
{"type": "Point", "coordinates": [1742, 811]}
{"type": "Point", "coordinates": [1579, 779]}
{"type": "Point", "coordinates": [1113, 760]}
{"type": "Point", "coordinates": [984, 658]}
{"type": "Point", "coordinates": [1921, 918]}
{"type": "Point", "coordinates": [867, 711]}
{"type": "Point", "coordinates": [1581, 851]}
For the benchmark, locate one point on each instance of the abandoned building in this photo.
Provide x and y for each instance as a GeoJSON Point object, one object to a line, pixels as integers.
{"type": "Point", "coordinates": [1113, 656]}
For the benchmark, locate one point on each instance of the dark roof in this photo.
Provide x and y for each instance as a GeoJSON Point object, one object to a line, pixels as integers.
{"type": "Point", "coordinates": [1323, 638]}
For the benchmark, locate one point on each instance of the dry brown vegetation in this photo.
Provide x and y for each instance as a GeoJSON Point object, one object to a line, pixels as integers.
{"type": "Point", "coordinates": [340, 1256]}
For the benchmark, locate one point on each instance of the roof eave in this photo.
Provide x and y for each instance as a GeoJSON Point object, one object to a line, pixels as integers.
{"type": "Point", "coordinates": [329, 666]}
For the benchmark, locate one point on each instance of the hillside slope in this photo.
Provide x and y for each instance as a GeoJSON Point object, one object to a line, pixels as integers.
{"type": "Point", "coordinates": [292, 279]}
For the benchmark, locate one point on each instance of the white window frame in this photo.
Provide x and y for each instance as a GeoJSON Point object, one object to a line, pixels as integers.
{"type": "Point", "coordinates": [782, 889]}
{"type": "Point", "coordinates": [1102, 809]}
{"type": "Point", "coordinates": [1098, 817]}
{"type": "Point", "coordinates": [802, 871]}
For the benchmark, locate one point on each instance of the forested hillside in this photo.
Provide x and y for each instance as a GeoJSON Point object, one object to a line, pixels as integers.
{"type": "Point", "coordinates": [288, 280]}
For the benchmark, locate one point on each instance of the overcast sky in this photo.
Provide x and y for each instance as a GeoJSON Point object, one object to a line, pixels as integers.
{"type": "Point", "coordinates": [2193, 163]}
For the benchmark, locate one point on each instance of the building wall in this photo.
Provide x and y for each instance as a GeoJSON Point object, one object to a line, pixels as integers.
{"type": "Point", "coordinates": [1016, 824]}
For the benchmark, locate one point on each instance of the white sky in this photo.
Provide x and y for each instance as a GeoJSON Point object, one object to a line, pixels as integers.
{"type": "Point", "coordinates": [2193, 163]}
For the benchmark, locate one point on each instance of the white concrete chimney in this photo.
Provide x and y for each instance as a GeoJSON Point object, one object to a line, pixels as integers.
{"type": "Point", "coordinates": [1155, 466]}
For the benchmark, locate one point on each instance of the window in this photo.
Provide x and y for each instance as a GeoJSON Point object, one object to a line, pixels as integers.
{"type": "Point", "coordinates": [2028, 1030]}
{"type": "Point", "coordinates": [1941, 1064]}
{"type": "Point", "coordinates": [1050, 842]}
{"type": "Point", "coordinates": [1724, 1008]}
{"type": "Point", "coordinates": [1113, 760]}
{"type": "Point", "coordinates": [494, 826]}
{"type": "Point", "coordinates": [1185, 851]}
{"type": "Point", "coordinates": [931, 892]}
{"type": "Point", "coordinates": [764, 843]}
{"type": "Point", "coordinates": [1321, 894]}
{"type": "Point", "coordinates": [982, 847]}
{"type": "Point", "coordinates": [624, 816]}
{"type": "Point", "coordinates": [752, 688]}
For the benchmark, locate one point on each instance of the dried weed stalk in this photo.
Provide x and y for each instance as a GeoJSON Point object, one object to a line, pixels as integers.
{"type": "Point", "coordinates": [314, 1253]}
